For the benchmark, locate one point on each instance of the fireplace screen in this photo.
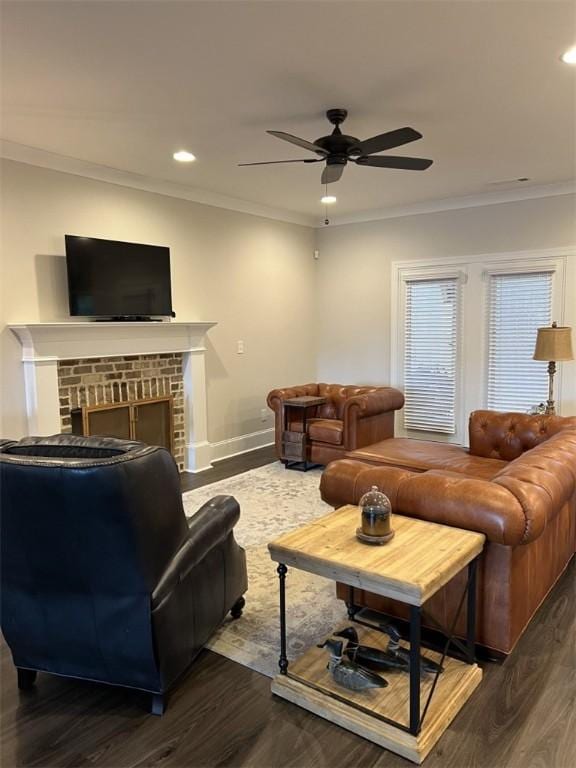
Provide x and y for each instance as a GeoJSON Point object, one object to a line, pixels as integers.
{"type": "Point", "coordinates": [149, 421]}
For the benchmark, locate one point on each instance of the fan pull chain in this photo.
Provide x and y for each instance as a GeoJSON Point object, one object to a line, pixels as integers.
{"type": "Point", "coordinates": [326, 219]}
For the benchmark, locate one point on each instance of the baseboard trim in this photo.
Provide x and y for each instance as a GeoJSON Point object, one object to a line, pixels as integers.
{"type": "Point", "coordinates": [235, 446]}
{"type": "Point", "coordinates": [203, 456]}
{"type": "Point", "coordinates": [197, 457]}
{"type": "Point", "coordinates": [246, 450]}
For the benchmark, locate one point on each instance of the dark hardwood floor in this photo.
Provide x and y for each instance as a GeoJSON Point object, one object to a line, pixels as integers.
{"type": "Point", "coordinates": [229, 467]}
{"type": "Point", "coordinates": [521, 716]}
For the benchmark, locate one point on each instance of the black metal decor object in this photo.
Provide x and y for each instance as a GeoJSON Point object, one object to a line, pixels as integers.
{"type": "Point", "coordinates": [282, 570]}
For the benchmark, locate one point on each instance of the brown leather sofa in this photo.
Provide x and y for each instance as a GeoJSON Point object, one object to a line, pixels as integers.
{"type": "Point", "coordinates": [353, 417]}
{"type": "Point", "coordinates": [516, 484]}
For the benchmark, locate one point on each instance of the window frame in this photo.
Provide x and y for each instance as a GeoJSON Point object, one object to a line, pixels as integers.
{"type": "Point", "coordinates": [474, 272]}
{"type": "Point", "coordinates": [556, 268]}
{"type": "Point", "coordinates": [405, 274]}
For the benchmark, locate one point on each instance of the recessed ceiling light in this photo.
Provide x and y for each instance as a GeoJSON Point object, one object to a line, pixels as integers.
{"type": "Point", "coordinates": [328, 199]}
{"type": "Point", "coordinates": [569, 57]}
{"type": "Point", "coordinates": [183, 157]}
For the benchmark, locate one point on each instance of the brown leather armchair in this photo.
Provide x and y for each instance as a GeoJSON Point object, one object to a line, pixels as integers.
{"type": "Point", "coordinates": [516, 484]}
{"type": "Point", "coordinates": [351, 418]}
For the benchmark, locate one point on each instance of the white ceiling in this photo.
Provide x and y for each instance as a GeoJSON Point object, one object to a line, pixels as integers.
{"type": "Point", "coordinates": [124, 84]}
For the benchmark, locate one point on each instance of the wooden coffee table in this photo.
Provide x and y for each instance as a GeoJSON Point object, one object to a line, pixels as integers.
{"type": "Point", "coordinates": [410, 715]}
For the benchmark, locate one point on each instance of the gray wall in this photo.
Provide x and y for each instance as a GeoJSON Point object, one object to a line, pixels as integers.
{"type": "Point", "coordinates": [354, 275]}
{"type": "Point", "coordinates": [300, 320]}
{"type": "Point", "coordinates": [252, 275]}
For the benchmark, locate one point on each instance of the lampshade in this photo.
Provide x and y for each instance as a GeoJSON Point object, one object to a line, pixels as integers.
{"type": "Point", "coordinates": [554, 344]}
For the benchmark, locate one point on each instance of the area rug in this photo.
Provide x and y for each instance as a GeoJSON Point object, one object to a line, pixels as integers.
{"type": "Point", "coordinates": [273, 500]}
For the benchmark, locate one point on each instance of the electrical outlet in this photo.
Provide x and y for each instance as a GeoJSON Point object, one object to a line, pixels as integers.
{"type": "Point", "coordinates": [264, 414]}
{"type": "Point", "coordinates": [240, 348]}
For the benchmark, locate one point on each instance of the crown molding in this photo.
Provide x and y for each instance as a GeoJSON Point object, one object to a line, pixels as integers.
{"type": "Point", "coordinates": [455, 203]}
{"type": "Point", "coordinates": [40, 157]}
{"type": "Point", "coordinates": [22, 153]}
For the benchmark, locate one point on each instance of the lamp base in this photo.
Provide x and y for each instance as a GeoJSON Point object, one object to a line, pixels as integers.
{"type": "Point", "coordinates": [550, 405]}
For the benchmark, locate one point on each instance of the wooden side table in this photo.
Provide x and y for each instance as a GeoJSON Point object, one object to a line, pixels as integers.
{"type": "Point", "coordinates": [409, 716]}
{"type": "Point", "coordinates": [295, 444]}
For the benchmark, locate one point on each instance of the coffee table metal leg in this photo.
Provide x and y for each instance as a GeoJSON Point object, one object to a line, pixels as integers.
{"type": "Point", "coordinates": [415, 630]}
{"type": "Point", "coordinates": [471, 611]}
{"type": "Point", "coordinates": [283, 662]}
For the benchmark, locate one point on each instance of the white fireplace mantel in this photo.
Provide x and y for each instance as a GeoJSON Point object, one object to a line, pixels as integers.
{"type": "Point", "coordinates": [44, 344]}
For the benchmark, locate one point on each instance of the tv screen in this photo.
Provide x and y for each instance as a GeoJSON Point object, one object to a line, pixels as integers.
{"type": "Point", "coordinates": [108, 278]}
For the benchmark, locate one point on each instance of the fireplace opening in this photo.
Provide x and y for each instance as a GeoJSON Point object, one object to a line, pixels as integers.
{"type": "Point", "coordinates": [138, 397]}
{"type": "Point", "coordinates": [148, 421]}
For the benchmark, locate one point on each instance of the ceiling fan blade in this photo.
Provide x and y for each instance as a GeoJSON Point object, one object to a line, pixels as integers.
{"type": "Point", "coordinates": [387, 141]}
{"type": "Point", "coordinates": [392, 161]}
{"type": "Point", "coordinates": [332, 173]}
{"type": "Point", "coordinates": [299, 142]}
{"type": "Point", "coordinates": [275, 162]}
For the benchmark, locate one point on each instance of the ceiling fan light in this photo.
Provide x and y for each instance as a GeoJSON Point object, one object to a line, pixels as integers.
{"type": "Point", "coordinates": [183, 156]}
{"type": "Point", "coordinates": [569, 56]}
{"type": "Point", "coordinates": [328, 199]}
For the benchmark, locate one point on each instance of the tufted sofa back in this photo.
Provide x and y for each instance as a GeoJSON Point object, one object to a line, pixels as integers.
{"type": "Point", "coordinates": [507, 436]}
{"type": "Point", "coordinates": [542, 480]}
{"type": "Point", "coordinates": [337, 394]}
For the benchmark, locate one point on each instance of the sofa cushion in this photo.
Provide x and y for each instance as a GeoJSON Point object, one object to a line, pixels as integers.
{"type": "Point", "coordinates": [326, 430]}
{"type": "Point", "coordinates": [440, 496]}
{"type": "Point", "coordinates": [422, 455]}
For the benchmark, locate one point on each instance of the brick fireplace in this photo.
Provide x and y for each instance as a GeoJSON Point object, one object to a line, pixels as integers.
{"type": "Point", "coordinates": [68, 365]}
{"type": "Point", "coordinates": [108, 380]}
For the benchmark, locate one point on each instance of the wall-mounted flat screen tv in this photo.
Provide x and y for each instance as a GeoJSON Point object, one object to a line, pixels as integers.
{"type": "Point", "coordinates": [112, 279]}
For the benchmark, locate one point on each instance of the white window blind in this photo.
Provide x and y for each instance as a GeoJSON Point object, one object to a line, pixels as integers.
{"type": "Point", "coordinates": [430, 354]}
{"type": "Point", "coordinates": [518, 304]}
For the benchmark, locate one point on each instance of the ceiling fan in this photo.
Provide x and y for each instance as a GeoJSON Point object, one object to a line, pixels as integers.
{"type": "Point", "coordinates": [338, 149]}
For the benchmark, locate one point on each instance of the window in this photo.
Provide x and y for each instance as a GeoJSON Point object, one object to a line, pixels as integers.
{"type": "Point", "coordinates": [430, 354]}
{"type": "Point", "coordinates": [463, 331]}
{"type": "Point", "coordinates": [518, 304]}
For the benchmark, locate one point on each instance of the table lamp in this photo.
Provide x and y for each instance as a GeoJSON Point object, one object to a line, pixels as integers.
{"type": "Point", "coordinates": [553, 344]}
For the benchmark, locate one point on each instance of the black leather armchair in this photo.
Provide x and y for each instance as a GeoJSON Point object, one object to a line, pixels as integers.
{"type": "Point", "coordinates": [103, 578]}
